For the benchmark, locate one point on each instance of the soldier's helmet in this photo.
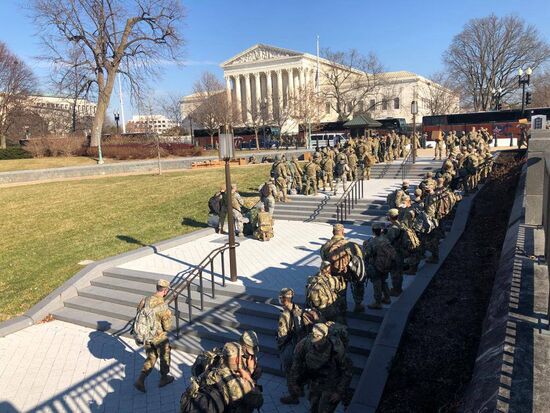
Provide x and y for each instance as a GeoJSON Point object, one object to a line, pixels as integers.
{"type": "Point", "coordinates": [429, 174]}
{"type": "Point", "coordinates": [325, 264]}
{"type": "Point", "coordinates": [163, 284]}
{"type": "Point", "coordinates": [393, 213]}
{"type": "Point", "coordinates": [405, 184]}
{"type": "Point", "coordinates": [286, 293]}
{"type": "Point", "coordinates": [418, 192]}
{"type": "Point", "coordinates": [230, 349]}
{"type": "Point", "coordinates": [342, 161]}
{"type": "Point", "coordinates": [377, 225]}
{"type": "Point", "coordinates": [319, 332]}
{"type": "Point", "coordinates": [250, 339]}
{"type": "Point", "coordinates": [337, 227]}
{"type": "Point", "coordinates": [294, 158]}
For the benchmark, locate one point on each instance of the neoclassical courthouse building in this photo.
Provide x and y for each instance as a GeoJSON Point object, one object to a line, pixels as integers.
{"type": "Point", "coordinates": [270, 74]}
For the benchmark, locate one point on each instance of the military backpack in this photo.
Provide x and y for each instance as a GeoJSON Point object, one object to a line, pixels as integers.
{"type": "Point", "coordinates": [145, 326]}
{"type": "Point", "coordinates": [318, 292]}
{"type": "Point", "coordinates": [206, 361]}
{"type": "Point", "coordinates": [339, 257]}
{"type": "Point", "coordinates": [385, 257]}
{"type": "Point", "coordinates": [409, 239]}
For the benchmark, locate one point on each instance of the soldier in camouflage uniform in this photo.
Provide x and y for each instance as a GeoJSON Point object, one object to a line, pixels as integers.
{"type": "Point", "coordinates": [329, 297]}
{"type": "Point", "coordinates": [352, 163]}
{"type": "Point", "coordinates": [311, 171]}
{"type": "Point", "coordinates": [237, 202]}
{"type": "Point", "coordinates": [159, 347]}
{"type": "Point", "coordinates": [296, 171]}
{"type": "Point", "coordinates": [239, 391]}
{"type": "Point", "coordinates": [268, 193]}
{"type": "Point", "coordinates": [342, 172]}
{"type": "Point", "coordinates": [431, 244]}
{"type": "Point", "coordinates": [439, 146]}
{"type": "Point", "coordinates": [378, 277]}
{"type": "Point", "coordinates": [320, 361]}
{"type": "Point", "coordinates": [281, 175]}
{"type": "Point", "coordinates": [328, 173]}
{"type": "Point", "coordinates": [290, 328]}
{"type": "Point", "coordinates": [338, 251]}
{"type": "Point", "coordinates": [393, 233]}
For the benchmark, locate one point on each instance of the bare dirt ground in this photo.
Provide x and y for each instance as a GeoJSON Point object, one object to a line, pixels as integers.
{"type": "Point", "coordinates": [435, 361]}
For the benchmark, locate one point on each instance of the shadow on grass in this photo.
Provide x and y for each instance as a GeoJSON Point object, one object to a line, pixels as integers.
{"type": "Point", "coordinates": [191, 222]}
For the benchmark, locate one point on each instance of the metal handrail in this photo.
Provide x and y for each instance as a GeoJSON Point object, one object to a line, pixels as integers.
{"type": "Point", "coordinates": [404, 164]}
{"type": "Point", "coordinates": [349, 198]}
{"type": "Point", "coordinates": [184, 285]}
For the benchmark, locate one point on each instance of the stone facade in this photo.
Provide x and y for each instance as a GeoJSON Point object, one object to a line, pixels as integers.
{"type": "Point", "coordinates": [149, 123]}
{"type": "Point", "coordinates": [270, 76]}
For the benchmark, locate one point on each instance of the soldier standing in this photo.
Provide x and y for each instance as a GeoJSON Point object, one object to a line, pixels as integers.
{"type": "Point", "coordinates": [393, 233]}
{"type": "Point", "coordinates": [352, 163]}
{"type": "Point", "coordinates": [394, 198]}
{"type": "Point", "coordinates": [236, 203]}
{"type": "Point", "coordinates": [342, 171]}
{"type": "Point", "coordinates": [338, 252]}
{"type": "Point", "coordinates": [310, 177]}
{"type": "Point", "coordinates": [438, 146]}
{"type": "Point", "coordinates": [326, 293]}
{"type": "Point", "coordinates": [290, 328]}
{"type": "Point", "coordinates": [268, 193]}
{"type": "Point", "coordinates": [321, 361]}
{"type": "Point", "coordinates": [296, 171]}
{"type": "Point", "coordinates": [280, 174]}
{"type": "Point", "coordinates": [159, 346]}
{"type": "Point", "coordinates": [328, 173]}
{"type": "Point", "coordinates": [379, 255]}
{"type": "Point", "coordinates": [264, 225]}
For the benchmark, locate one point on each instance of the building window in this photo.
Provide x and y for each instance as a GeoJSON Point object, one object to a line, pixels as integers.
{"type": "Point", "coordinates": [396, 103]}
{"type": "Point", "coordinates": [327, 108]}
{"type": "Point", "coordinates": [372, 104]}
{"type": "Point", "coordinates": [360, 106]}
{"type": "Point", "coordinates": [384, 104]}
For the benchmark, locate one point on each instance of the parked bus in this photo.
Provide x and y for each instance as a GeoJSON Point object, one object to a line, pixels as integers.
{"type": "Point", "coordinates": [320, 140]}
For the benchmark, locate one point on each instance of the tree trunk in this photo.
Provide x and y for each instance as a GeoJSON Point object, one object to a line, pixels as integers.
{"type": "Point", "coordinates": [212, 140]}
{"type": "Point", "coordinates": [104, 96]}
{"type": "Point", "coordinates": [2, 141]}
{"type": "Point", "coordinates": [257, 140]}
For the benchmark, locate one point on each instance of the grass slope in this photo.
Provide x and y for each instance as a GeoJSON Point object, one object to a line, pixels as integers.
{"type": "Point", "coordinates": [47, 229]}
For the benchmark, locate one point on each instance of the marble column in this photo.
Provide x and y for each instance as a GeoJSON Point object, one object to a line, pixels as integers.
{"type": "Point", "coordinates": [279, 89]}
{"type": "Point", "coordinates": [228, 89]}
{"type": "Point", "coordinates": [258, 97]}
{"type": "Point", "coordinates": [269, 92]}
{"type": "Point", "coordinates": [248, 108]}
{"type": "Point", "coordinates": [302, 78]}
{"type": "Point", "coordinates": [238, 96]}
{"type": "Point", "coordinates": [291, 89]}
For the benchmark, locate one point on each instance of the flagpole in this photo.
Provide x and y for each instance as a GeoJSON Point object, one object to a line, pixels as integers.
{"type": "Point", "coordinates": [317, 83]}
{"type": "Point", "coordinates": [121, 104]}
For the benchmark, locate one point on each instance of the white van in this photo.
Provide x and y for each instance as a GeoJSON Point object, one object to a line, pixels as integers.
{"type": "Point", "coordinates": [319, 140]}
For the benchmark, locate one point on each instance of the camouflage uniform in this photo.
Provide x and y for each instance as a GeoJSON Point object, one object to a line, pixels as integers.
{"type": "Point", "coordinates": [393, 233]}
{"type": "Point", "coordinates": [352, 163]}
{"type": "Point", "coordinates": [328, 173]}
{"type": "Point", "coordinates": [289, 332]}
{"type": "Point", "coordinates": [331, 304]}
{"type": "Point", "coordinates": [268, 193]}
{"type": "Point", "coordinates": [280, 173]}
{"type": "Point", "coordinates": [326, 369]}
{"type": "Point", "coordinates": [357, 288]}
{"type": "Point", "coordinates": [310, 177]}
{"type": "Point", "coordinates": [379, 279]}
{"type": "Point", "coordinates": [237, 202]}
{"type": "Point", "coordinates": [264, 231]}
{"type": "Point", "coordinates": [159, 347]}
{"type": "Point", "coordinates": [296, 171]}
{"type": "Point", "coordinates": [438, 147]}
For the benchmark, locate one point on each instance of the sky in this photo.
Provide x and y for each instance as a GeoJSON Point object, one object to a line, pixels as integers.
{"type": "Point", "coordinates": [405, 34]}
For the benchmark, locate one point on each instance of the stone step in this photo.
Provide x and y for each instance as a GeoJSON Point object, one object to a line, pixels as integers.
{"type": "Point", "coordinates": [233, 313]}
{"type": "Point", "coordinates": [193, 338]}
{"type": "Point", "coordinates": [252, 298]}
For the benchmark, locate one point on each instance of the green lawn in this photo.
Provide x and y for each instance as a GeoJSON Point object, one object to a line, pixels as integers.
{"type": "Point", "coordinates": [47, 229]}
{"type": "Point", "coordinates": [44, 163]}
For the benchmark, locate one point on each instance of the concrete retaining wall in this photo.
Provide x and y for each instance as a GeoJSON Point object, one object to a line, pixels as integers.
{"type": "Point", "coordinates": [128, 167]}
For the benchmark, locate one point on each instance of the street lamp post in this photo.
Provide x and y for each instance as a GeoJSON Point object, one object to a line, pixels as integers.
{"type": "Point", "coordinates": [414, 112]}
{"type": "Point", "coordinates": [226, 153]}
{"type": "Point", "coordinates": [497, 95]}
{"type": "Point", "coordinates": [117, 119]}
{"type": "Point", "coordinates": [524, 80]}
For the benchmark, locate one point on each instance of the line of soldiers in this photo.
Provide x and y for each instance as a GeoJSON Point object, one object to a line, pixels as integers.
{"type": "Point", "coordinates": [415, 227]}
{"type": "Point", "coordinates": [341, 163]}
{"type": "Point", "coordinates": [450, 140]}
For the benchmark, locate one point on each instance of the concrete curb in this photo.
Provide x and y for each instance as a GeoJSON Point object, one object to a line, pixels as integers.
{"type": "Point", "coordinates": [145, 166]}
{"type": "Point", "coordinates": [82, 279]}
{"type": "Point", "coordinates": [373, 379]}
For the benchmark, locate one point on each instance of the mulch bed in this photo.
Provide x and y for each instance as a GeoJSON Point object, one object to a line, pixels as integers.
{"type": "Point", "coordinates": [436, 357]}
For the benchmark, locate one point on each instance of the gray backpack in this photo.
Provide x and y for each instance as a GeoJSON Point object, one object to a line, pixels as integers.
{"type": "Point", "coordinates": [144, 329]}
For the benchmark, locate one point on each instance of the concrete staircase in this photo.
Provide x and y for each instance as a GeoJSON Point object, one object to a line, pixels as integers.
{"type": "Point", "coordinates": [393, 170]}
{"type": "Point", "coordinates": [109, 304]}
{"type": "Point", "coordinates": [323, 209]}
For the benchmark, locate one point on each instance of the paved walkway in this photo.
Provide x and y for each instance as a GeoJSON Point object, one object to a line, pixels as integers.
{"type": "Point", "coordinates": [60, 367]}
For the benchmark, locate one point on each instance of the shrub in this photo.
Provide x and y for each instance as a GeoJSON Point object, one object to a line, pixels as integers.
{"type": "Point", "coordinates": [14, 152]}
{"type": "Point", "coordinates": [54, 146]}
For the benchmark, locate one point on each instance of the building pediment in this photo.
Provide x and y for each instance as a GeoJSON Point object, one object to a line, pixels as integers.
{"type": "Point", "coordinates": [260, 53]}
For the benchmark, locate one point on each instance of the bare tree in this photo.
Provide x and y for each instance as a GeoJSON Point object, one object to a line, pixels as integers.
{"type": "Point", "coordinates": [17, 82]}
{"type": "Point", "coordinates": [348, 79]}
{"type": "Point", "coordinates": [487, 54]}
{"type": "Point", "coordinates": [170, 106]}
{"type": "Point", "coordinates": [441, 98]}
{"type": "Point", "coordinates": [211, 109]}
{"type": "Point", "coordinates": [541, 89]}
{"type": "Point", "coordinates": [73, 80]}
{"type": "Point", "coordinates": [131, 37]}
{"type": "Point", "coordinates": [306, 106]}
{"type": "Point", "coordinates": [256, 118]}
